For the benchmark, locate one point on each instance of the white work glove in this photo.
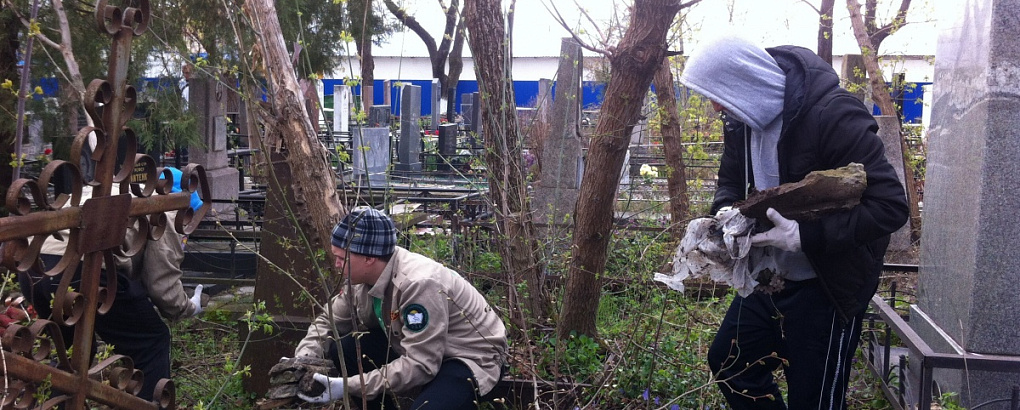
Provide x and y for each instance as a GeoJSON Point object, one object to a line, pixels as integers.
{"type": "Point", "coordinates": [722, 211]}
{"type": "Point", "coordinates": [196, 300]}
{"type": "Point", "coordinates": [785, 235]}
{"type": "Point", "coordinates": [334, 389]}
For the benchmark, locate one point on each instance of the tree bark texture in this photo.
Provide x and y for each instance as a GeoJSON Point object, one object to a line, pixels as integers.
{"type": "Point", "coordinates": [9, 45]}
{"type": "Point", "coordinates": [880, 92]}
{"type": "Point", "coordinates": [317, 207]}
{"type": "Point", "coordinates": [825, 30]}
{"type": "Point", "coordinates": [632, 65]}
{"type": "Point", "coordinates": [672, 136]}
{"type": "Point", "coordinates": [507, 185]}
{"type": "Point", "coordinates": [363, 42]}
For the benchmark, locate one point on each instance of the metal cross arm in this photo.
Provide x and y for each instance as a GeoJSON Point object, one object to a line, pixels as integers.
{"type": "Point", "coordinates": [36, 362]}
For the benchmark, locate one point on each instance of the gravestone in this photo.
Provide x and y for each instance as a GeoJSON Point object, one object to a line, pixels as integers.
{"type": "Point", "coordinates": [379, 116]}
{"type": "Point", "coordinates": [409, 146]}
{"type": "Point", "coordinates": [435, 100]}
{"type": "Point", "coordinates": [371, 154]}
{"type": "Point", "coordinates": [562, 158]}
{"type": "Point", "coordinates": [967, 293]}
{"type": "Point", "coordinates": [476, 116]}
{"type": "Point", "coordinates": [447, 145]}
{"type": "Point", "coordinates": [544, 102]}
{"type": "Point", "coordinates": [388, 93]}
{"type": "Point", "coordinates": [526, 117]}
{"type": "Point", "coordinates": [207, 102]}
{"type": "Point", "coordinates": [341, 109]}
{"type": "Point", "coordinates": [281, 289]}
{"type": "Point", "coordinates": [466, 104]}
{"type": "Point", "coordinates": [640, 133]}
{"type": "Point", "coordinates": [888, 130]}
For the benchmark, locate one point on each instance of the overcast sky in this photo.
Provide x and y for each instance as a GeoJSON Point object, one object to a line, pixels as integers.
{"type": "Point", "coordinates": [770, 22]}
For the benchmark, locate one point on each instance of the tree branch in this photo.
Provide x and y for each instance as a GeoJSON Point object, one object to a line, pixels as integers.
{"type": "Point", "coordinates": [897, 23]}
{"type": "Point", "coordinates": [817, 11]}
{"type": "Point", "coordinates": [412, 23]}
{"type": "Point", "coordinates": [563, 23]}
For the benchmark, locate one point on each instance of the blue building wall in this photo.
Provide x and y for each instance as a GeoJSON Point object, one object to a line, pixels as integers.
{"type": "Point", "coordinates": [525, 93]}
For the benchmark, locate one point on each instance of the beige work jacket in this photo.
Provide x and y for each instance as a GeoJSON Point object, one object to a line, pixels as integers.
{"type": "Point", "coordinates": [434, 315]}
{"type": "Point", "coordinates": [158, 266]}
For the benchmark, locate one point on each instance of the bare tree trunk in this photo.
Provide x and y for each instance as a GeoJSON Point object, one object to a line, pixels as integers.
{"type": "Point", "coordinates": [825, 30]}
{"type": "Point", "coordinates": [317, 206]}
{"type": "Point", "coordinates": [632, 65]}
{"type": "Point", "coordinates": [456, 62]}
{"type": "Point", "coordinates": [438, 53]}
{"type": "Point", "coordinates": [672, 135]}
{"type": "Point", "coordinates": [518, 247]}
{"type": "Point", "coordinates": [9, 44]}
{"type": "Point", "coordinates": [880, 94]}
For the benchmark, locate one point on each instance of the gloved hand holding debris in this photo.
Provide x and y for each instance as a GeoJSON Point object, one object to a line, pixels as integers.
{"type": "Point", "coordinates": [715, 246]}
{"type": "Point", "coordinates": [733, 246]}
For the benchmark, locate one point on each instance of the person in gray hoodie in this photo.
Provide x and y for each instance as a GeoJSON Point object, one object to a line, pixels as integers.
{"type": "Point", "coordinates": [784, 116]}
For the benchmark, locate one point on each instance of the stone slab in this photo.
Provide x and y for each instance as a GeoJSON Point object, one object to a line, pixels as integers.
{"type": "Point", "coordinates": [969, 266]}
{"type": "Point", "coordinates": [409, 145]}
{"type": "Point", "coordinates": [379, 116]}
{"type": "Point", "coordinates": [341, 109]}
{"type": "Point", "coordinates": [371, 154]}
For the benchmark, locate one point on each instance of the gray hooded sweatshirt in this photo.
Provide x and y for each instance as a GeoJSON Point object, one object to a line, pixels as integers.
{"type": "Point", "coordinates": [749, 84]}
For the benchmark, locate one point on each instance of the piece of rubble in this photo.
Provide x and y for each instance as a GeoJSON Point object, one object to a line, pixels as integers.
{"type": "Point", "coordinates": [294, 375]}
{"type": "Point", "coordinates": [820, 193]}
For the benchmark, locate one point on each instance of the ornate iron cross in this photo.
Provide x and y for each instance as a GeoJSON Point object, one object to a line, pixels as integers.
{"type": "Point", "coordinates": [35, 356]}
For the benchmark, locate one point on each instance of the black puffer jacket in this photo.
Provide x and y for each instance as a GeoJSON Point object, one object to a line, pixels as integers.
{"type": "Point", "coordinates": [825, 127]}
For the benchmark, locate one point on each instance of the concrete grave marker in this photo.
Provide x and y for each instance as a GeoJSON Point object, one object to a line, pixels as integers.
{"type": "Point", "coordinates": [341, 109]}
{"type": "Point", "coordinates": [970, 258]}
{"type": "Point", "coordinates": [447, 144]}
{"type": "Point", "coordinates": [206, 100]}
{"type": "Point", "coordinates": [371, 154]}
{"type": "Point", "coordinates": [409, 146]}
{"type": "Point", "coordinates": [379, 116]}
{"type": "Point", "coordinates": [562, 160]}
{"type": "Point", "coordinates": [434, 125]}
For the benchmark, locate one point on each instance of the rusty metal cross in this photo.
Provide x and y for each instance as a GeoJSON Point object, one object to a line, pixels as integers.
{"type": "Point", "coordinates": [35, 358]}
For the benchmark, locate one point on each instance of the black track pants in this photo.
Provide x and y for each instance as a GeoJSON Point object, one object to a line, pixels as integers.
{"type": "Point", "coordinates": [799, 325]}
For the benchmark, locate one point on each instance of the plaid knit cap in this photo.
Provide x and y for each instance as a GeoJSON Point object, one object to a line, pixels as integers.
{"type": "Point", "coordinates": [366, 232]}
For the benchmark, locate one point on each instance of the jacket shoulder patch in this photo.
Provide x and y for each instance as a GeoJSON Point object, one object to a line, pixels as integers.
{"type": "Point", "coordinates": [416, 317]}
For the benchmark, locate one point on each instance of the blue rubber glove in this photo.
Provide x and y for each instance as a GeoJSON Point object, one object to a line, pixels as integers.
{"type": "Point", "coordinates": [785, 235]}
{"type": "Point", "coordinates": [334, 389]}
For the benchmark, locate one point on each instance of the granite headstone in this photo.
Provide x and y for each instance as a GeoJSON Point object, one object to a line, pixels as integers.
{"type": "Point", "coordinates": [371, 154]}
{"type": "Point", "coordinates": [409, 146]}
{"type": "Point", "coordinates": [562, 158]}
{"type": "Point", "coordinates": [970, 269]}
{"type": "Point", "coordinates": [379, 116]}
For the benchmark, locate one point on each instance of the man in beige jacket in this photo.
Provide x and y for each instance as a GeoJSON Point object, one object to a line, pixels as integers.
{"type": "Point", "coordinates": [148, 286]}
{"type": "Point", "coordinates": [424, 325]}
